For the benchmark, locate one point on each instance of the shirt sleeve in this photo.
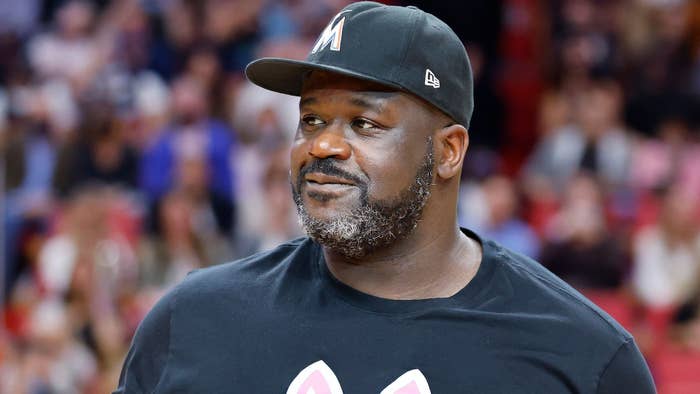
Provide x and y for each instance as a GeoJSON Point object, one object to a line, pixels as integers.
{"type": "Point", "coordinates": [627, 372]}
{"type": "Point", "coordinates": [147, 358]}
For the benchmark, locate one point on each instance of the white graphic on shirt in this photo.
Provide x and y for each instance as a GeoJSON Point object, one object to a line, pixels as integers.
{"type": "Point", "coordinates": [331, 34]}
{"type": "Point", "coordinates": [431, 79]}
{"type": "Point", "coordinates": [412, 382]}
{"type": "Point", "coordinates": [318, 378]}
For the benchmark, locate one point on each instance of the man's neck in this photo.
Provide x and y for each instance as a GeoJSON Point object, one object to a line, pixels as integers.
{"type": "Point", "coordinates": [417, 267]}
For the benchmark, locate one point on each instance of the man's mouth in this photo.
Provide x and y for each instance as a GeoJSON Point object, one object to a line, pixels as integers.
{"type": "Point", "coordinates": [324, 179]}
{"type": "Point", "coordinates": [324, 187]}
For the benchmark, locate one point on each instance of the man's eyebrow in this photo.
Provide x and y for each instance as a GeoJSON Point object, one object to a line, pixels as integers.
{"type": "Point", "coordinates": [308, 101]}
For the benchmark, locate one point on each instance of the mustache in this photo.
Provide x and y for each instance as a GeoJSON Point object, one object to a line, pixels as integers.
{"type": "Point", "coordinates": [329, 167]}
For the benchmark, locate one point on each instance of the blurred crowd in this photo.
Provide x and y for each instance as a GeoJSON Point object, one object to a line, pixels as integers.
{"type": "Point", "coordinates": [133, 151]}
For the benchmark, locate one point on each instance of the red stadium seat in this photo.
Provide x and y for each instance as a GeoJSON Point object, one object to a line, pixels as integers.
{"type": "Point", "coordinates": [677, 371]}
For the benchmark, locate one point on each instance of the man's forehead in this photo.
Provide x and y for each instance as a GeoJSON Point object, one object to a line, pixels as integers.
{"type": "Point", "coordinates": [357, 91]}
{"type": "Point", "coordinates": [363, 92]}
{"type": "Point", "coordinates": [320, 80]}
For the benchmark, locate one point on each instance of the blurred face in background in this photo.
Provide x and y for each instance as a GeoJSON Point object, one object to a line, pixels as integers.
{"type": "Point", "coordinates": [180, 24]}
{"type": "Point", "coordinates": [49, 330]}
{"type": "Point", "coordinates": [673, 131]}
{"type": "Point", "coordinates": [679, 216]}
{"type": "Point", "coordinates": [189, 103]}
{"type": "Point", "coordinates": [203, 65]}
{"type": "Point", "coordinates": [599, 108]}
{"type": "Point", "coordinates": [579, 54]}
{"type": "Point", "coordinates": [87, 216]}
{"type": "Point", "coordinates": [578, 13]}
{"type": "Point", "coordinates": [555, 112]}
{"type": "Point", "coordinates": [75, 19]}
{"type": "Point", "coordinates": [275, 183]}
{"type": "Point", "coordinates": [225, 20]}
{"type": "Point", "coordinates": [670, 20]}
{"type": "Point", "coordinates": [583, 210]}
{"type": "Point", "coordinates": [502, 199]}
{"type": "Point", "coordinates": [192, 176]}
{"type": "Point", "coordinates": [176, 218]}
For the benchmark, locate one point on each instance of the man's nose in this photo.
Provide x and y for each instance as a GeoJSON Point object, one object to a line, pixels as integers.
{"type": "Point", "coordinates": [330, 143]}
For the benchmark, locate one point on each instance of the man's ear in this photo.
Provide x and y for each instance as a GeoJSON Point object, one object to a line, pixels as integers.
{"type": "Point", "coordinates": [451, 144]}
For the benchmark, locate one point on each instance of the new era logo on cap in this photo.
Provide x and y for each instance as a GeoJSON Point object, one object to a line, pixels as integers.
{"type": "Point", "coordinates": [431, 79]}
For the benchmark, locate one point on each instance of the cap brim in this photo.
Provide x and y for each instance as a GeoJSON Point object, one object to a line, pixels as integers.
{"type": "Point", "coordinates": [287, 76]}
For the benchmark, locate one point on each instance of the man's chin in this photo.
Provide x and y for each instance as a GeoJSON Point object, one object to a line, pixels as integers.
{"type": "Point", "coordinates": [325, 215]}
{"type": "Point", "coordinates": [343, 244]}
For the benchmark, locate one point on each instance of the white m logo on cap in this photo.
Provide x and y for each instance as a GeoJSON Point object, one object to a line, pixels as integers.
{"type": "Point", "coordinates": [431, 79]}
{"type": "Point", "coordinates": [331, 34]}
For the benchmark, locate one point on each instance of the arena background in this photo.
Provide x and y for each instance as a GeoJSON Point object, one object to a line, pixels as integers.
{"type": "Point", "coordinates": [133, 151]}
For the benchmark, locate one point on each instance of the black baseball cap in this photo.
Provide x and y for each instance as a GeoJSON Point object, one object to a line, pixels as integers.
{"type": "Point", "coordinates": [400, 47]}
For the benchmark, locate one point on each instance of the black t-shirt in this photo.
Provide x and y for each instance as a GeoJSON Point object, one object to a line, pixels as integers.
{"type": "Point", "coordinates": [279, 322]}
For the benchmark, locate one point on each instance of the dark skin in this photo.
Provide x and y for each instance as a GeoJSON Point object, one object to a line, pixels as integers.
{"type": "Point", "coordinates": [379, 136]}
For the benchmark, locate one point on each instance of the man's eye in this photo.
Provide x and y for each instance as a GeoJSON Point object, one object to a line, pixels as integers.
{"type": "Point", "coordinates": [363, 124]}
{"type": "Point", "coordinates": [311, 120]}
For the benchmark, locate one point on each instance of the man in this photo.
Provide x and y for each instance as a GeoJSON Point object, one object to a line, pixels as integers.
{"type": "Point", "coordinates": [387, 295]}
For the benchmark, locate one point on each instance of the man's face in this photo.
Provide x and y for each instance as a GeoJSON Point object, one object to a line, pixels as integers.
{"type": "Point", "coordinates": [361, 163]}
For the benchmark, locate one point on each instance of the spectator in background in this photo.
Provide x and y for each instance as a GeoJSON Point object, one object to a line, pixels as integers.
{"type": "Point", "coordinates": [54, 361]}
{"type": "Point", "coordinates": [542, 199]}
{"type": "Point", "coordinates": [501, 222]}
{"type": "Point", "coordinates": [203, 66]}
{"type": "Point", "coordinates": [214, 214]}
{"type": "Point", "coordinates": [183, 245]}
{"type": "Point", "coordinates": [165, 260]}
{"type": "Point", "coordinates": [87, 240]}
{"type": "Point", "coordinates": [229, 27]}
{"type": "Point", "coordinates": [279, 220]}
{"type": "Point", "coordinates": [138, 96]}
{"type": "Point", "coordinates": [580, 248]}
{"type": "Point", "coordinates": [232, 27]}
{"type": "Point", "coordinates": [283, 19]}
{"type": "Point", "coordinates": [36, 128]}
{"type": "Point", "coordinates": [19, 17]}
{"type": "Point", "coordinates": [265, 122]}
{"type": "Point", "coordinates": [192, 134]}
{"type": "Point", "coordinates": [192, 227]}
{"type": "Point", "coordinates": [661, 39]}
{"type": "Point", "coordinates": [70, 52]}
{"type": "Point", "coordinates": [686, 324]}
{"type": "Point", "coordinates": [487, 126]}
{"type": "Point", "coordinates": [667, 256]}
{"type": "Point", "coordinates": [125, 31]}
{"type": "Point", "coordinates": [98, 154]}
{"type": "Point", "coordinates": [263, 117]}
{"type": "Point", "coordinates": [596, 142]}
{"type": "Point", "coordinates": [584, 42]}
{"type": "Point", "coordinates": [672, 157]}
{"type": "Point", "coordinates": [89, 264]}
{"type": "Point", "coordinates": [175, 34]}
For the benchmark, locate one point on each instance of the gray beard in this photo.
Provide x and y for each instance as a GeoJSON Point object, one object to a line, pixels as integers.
{"type": "Point", "coordinates": [374, 224]}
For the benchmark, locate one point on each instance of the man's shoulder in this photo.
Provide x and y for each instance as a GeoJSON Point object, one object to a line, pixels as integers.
{"type": "Point", "coordinates": [536, 290]}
